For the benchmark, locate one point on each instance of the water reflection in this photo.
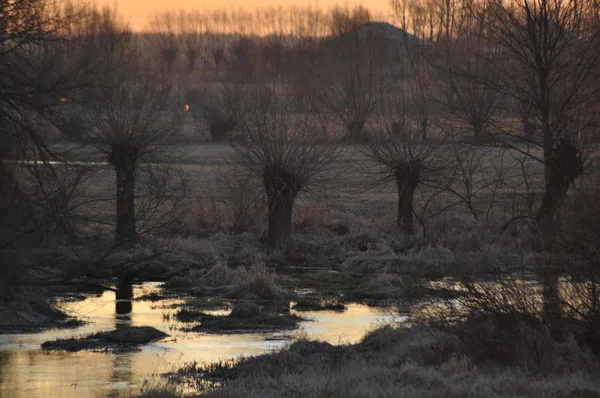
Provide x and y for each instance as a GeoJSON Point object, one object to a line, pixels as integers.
{"type": "Point", "coordinates": [124, 297]}
{"type": "Point", "coordinates": [26, 371]}
{"type": "Point", "coordinates": [122, 370]}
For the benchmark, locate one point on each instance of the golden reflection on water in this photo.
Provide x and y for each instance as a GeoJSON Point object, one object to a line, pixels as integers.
{"type": "Point", "coordinates": [510, 294]}
{"type": "Point", "coordinates": [27, 371]}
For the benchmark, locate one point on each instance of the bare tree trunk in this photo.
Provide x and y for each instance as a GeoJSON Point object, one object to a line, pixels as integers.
{"type": "Point", "coordinates": [125, 205]}
{"type": "Point", "coordinates": [551, 298]}
{"type": "Point", "coordinates": [281, 188]}
{"type": "Point", "coordinates": [280, 221]}
{"type": "Point", "coordinates": [407, 179]}
{"type": "Point", "coordinates": [124, 159]}
{"type": "Point", "coordinates": [562, 167]}
{"type": "Point", "coordinates": [406, 194]}
{"type": "Point", "coordinates": [355, 131]}
{"type": "Point", "coordinates": [424, 126]}
{"type": "Point", "coordinates": [477, 130]}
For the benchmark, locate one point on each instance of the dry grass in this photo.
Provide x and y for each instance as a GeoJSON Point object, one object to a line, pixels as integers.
{"type": "Point", "coordinates": [220, 279]}
{"type": "Point", "coordinates": [257, 282]}
{"type": "Point", "coordinates": [414, 362]}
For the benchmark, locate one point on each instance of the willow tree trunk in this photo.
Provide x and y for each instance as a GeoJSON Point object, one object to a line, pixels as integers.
{"type": "Point", "coordinates": [355, 131]}
{"type": "Point", "coordinates": [124, 159]}
{"type": "Point", "coordinates": [562, 166]}
{"type": "Point", "coordinates": [282, 189]}
{"type": "Point", "coordinates": [424, 128]}
{"type": "Point", "coordinates": [125, 205]}
{"type": "Point", "coordinates": [407, 177]}
{"type": "Point", "coordinates": [477, 126]}
{"type": "Point", "coordinates": [406, 194]}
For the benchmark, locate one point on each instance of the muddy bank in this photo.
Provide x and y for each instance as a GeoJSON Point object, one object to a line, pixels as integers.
{"type": "Point", "coordinates": [119, 340]}
{"type": "Point", "coordinates": [245, 317]}
{"type": "Point", "coordinates": [33, 314]}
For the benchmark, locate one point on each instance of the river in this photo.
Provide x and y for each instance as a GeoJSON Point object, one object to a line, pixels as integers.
{"type": "Point", "coordinates": [27, 371]}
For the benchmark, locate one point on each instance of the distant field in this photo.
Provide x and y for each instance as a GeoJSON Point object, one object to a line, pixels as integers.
{"type": "Point", "coordinates": [351, 186]}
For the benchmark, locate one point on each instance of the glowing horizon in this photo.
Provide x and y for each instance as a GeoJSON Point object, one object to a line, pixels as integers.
{"type": "Point", "coordinates": [137, 13]}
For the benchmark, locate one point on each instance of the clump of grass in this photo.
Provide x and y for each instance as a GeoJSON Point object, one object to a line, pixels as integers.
{"type": "Point", "coordinates": [258, 282]}
{"type": "Point", "coordinates": [152, 296]}
{"type": "Point", "coordinates": [326, 283]}
{"type": "Point", "coordinates": [385, 285]}
{"type": "Point", "coordinates": [362, 242]}
{"type": "Point", "coordinates": [160, 392]}
{"type": "Point", "coordinates": [252, 324]}
{"type": "Point", "coordinates": [221, 275]}
{"type": "Point", "coordinates": [154, 388]}
{"type": "Point", "coordinates": [312, 216]}
{"type": "Point", "coordinates": [245, 310]}
{"type": "Point", "coordinates": [312, 304]}
{"type": "Point", "coordinates": [209, 303]}
{"type": "Point", "coordinates": [188, 315]}
{"type": "Point", "coordinates": [421, 261]}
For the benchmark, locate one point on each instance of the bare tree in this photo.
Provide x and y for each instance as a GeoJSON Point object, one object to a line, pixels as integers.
{"type": "Point", "coordinates": [164, 38]}
{"type": "Point", "coordinates": [128, 122]}
{"type": "Point", "coordinates": [223, 107]}
{"type": "Point", "coordinates": [399, 154]}
{"type": "Point", "coordinates": [217, 24]}
{"type": "Point", "coordinates": [352, 64]}
{"type": "Point", "coordinates": [289, 151]}
{"type": "Point", "coordinates": [192, 37]}
{"type": "Point", "coordinates": [244, 51]}
{"type": "Point", "coordinates": [473, 72]}
{"type": "Point", "coordinates": [43, 61]}
{"type": "Point", "coordinates": [548, 65]}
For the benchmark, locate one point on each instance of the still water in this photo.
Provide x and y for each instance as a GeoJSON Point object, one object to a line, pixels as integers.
{"type": "Point", "coordinates": [27, 371]}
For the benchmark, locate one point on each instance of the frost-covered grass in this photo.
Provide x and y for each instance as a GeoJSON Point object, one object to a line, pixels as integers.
{"type": "Point", "coordinates": [415, 362]}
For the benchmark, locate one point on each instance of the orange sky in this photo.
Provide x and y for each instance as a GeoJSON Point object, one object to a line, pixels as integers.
{"type": "Point", "coordinates": [137, 12]}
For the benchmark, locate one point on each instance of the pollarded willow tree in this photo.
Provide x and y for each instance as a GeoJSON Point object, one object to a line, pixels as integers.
{"type": "Point", "coordinates": [129, 120]}
{"type": "Point", "coordinates": [352, 61]}
{"type": "Point", "coordinates": [287, 150]}
{"type": "Point", "coordinates": [192, 38]}
{"type": "Point", "coordinates": [164, 38]}
{"type": "Point", "coordinates": [397, 149]}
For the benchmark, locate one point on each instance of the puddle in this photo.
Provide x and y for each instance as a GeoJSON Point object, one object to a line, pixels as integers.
{"type": "Point", "coordinates": [27, 371]}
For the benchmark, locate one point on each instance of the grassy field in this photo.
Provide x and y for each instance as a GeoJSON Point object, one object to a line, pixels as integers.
{"type": "Point", "coordinates": [352, 184]}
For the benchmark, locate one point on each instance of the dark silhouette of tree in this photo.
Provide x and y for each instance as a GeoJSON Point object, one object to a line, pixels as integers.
{"type": "Point", "coordinates": [164, 38]}
{"type": "Point", "coordinates": [400, 155]}
{"type": "Point", "coordinates": [192, 38]}
{"type": "Point", "coordinates": [243, 56]}
{"type": "Point", "coordinates": [43, 61]}
{"type": "Point", "coordinates": [129, 121]}
{"type": "Point", "coordinates": [352, 65]}
{"type": "Point", "coordinates": [548, 66]}
{"type": "Point", "coordinates": [287, 150]}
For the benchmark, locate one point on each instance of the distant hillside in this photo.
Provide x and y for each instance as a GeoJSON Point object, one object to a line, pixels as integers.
{"type": "Point", "coordinates": [383, 30]}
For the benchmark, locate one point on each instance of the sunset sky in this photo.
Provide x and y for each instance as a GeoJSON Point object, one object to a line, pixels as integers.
{"type": "Point", "coordinates": [137, 12]}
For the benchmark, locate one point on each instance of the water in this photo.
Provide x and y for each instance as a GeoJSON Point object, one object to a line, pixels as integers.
{"type": "Point", "coordinates": [27, 371]}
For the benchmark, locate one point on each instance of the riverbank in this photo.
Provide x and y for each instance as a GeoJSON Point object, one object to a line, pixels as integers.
{"type": "Point", "coordinates": [391, 361]}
